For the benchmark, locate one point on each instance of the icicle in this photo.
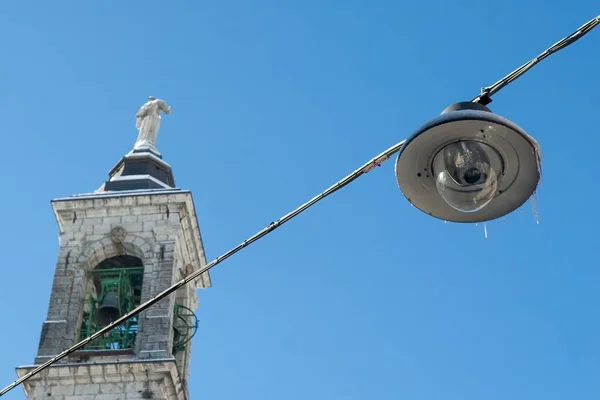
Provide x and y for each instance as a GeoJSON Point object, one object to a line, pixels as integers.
{"type": "Point", "coordinates": [538, 153]}
{"type": "Point", "coordinates": [485, 229]}
{"type": "Point", "coordinates": [534, 206]}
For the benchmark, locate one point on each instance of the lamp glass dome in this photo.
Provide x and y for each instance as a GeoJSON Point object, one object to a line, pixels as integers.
{"type": "Point", "coordinates": [464, 176]}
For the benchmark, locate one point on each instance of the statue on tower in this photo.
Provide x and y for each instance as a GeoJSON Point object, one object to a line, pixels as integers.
{"type": "Point", "coordinates": [147, 121]}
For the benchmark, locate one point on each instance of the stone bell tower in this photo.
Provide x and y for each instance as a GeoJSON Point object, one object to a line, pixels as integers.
{"type": "Point", "coordinates": [118, 247]}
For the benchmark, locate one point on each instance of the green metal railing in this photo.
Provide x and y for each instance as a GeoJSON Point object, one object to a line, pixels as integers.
{"type": "Point", "coordinates": [185, 326]}
{"type": "Point", "coordinates": [128, 284]}
{"type": "Point", "coordinates": [119, 338]}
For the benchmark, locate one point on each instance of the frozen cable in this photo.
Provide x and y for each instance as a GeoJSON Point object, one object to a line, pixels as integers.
{"type": "Point", "coordinates": [194, 275]}
{"type": "Point", "coordinates": [487, 92]}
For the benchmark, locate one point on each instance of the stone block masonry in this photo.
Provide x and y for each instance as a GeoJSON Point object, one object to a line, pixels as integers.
{"type": "Point", "coordinates": [152, 379]}
{"type": "Point", "coordinates": [158, 227]}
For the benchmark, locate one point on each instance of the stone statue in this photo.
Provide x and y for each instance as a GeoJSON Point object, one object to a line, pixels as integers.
{"type": "Point", "coordinates": [147, 121]}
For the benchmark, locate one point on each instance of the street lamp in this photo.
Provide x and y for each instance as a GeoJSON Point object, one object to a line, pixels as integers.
{"type": "Point", "coordinates": [468, 165]}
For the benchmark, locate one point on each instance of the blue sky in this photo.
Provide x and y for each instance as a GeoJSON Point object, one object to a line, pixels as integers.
{"type": "Point", "coordinates": [363, 296]}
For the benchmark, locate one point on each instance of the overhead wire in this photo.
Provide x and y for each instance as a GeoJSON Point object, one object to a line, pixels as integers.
{"type": "Point", "coordinates": [483, 98]}
{"type": "Point", "coordinates": [487, 92]}
{"type": "Point", "coordinates": [367, 167]}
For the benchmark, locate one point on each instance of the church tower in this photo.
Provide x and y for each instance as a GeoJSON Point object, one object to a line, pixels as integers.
{"type": "Point", "coordinates": [118, 247]}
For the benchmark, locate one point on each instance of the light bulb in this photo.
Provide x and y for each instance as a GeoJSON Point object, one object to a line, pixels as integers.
{"type": "Point", "coordinates": [465, 178]}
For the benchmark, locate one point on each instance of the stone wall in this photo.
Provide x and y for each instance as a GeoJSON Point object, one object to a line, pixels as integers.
{"type": "Point", "coordinates": [159, 228]}
{"type": "Point", "coordinates": [156, 379]}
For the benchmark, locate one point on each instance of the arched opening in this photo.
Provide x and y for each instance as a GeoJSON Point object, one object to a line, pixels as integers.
{"type": "Point", "coordinates": [114, 289]}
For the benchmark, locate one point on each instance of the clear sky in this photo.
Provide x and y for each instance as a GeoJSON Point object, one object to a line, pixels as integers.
{"type": "Point", "coordinates": [363, 296]}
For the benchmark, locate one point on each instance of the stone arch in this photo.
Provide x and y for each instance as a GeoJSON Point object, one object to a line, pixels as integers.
{"type": "Point", "coordinates": [96, 252]}
{"type": "Point", "coordinates": [101, 262]}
